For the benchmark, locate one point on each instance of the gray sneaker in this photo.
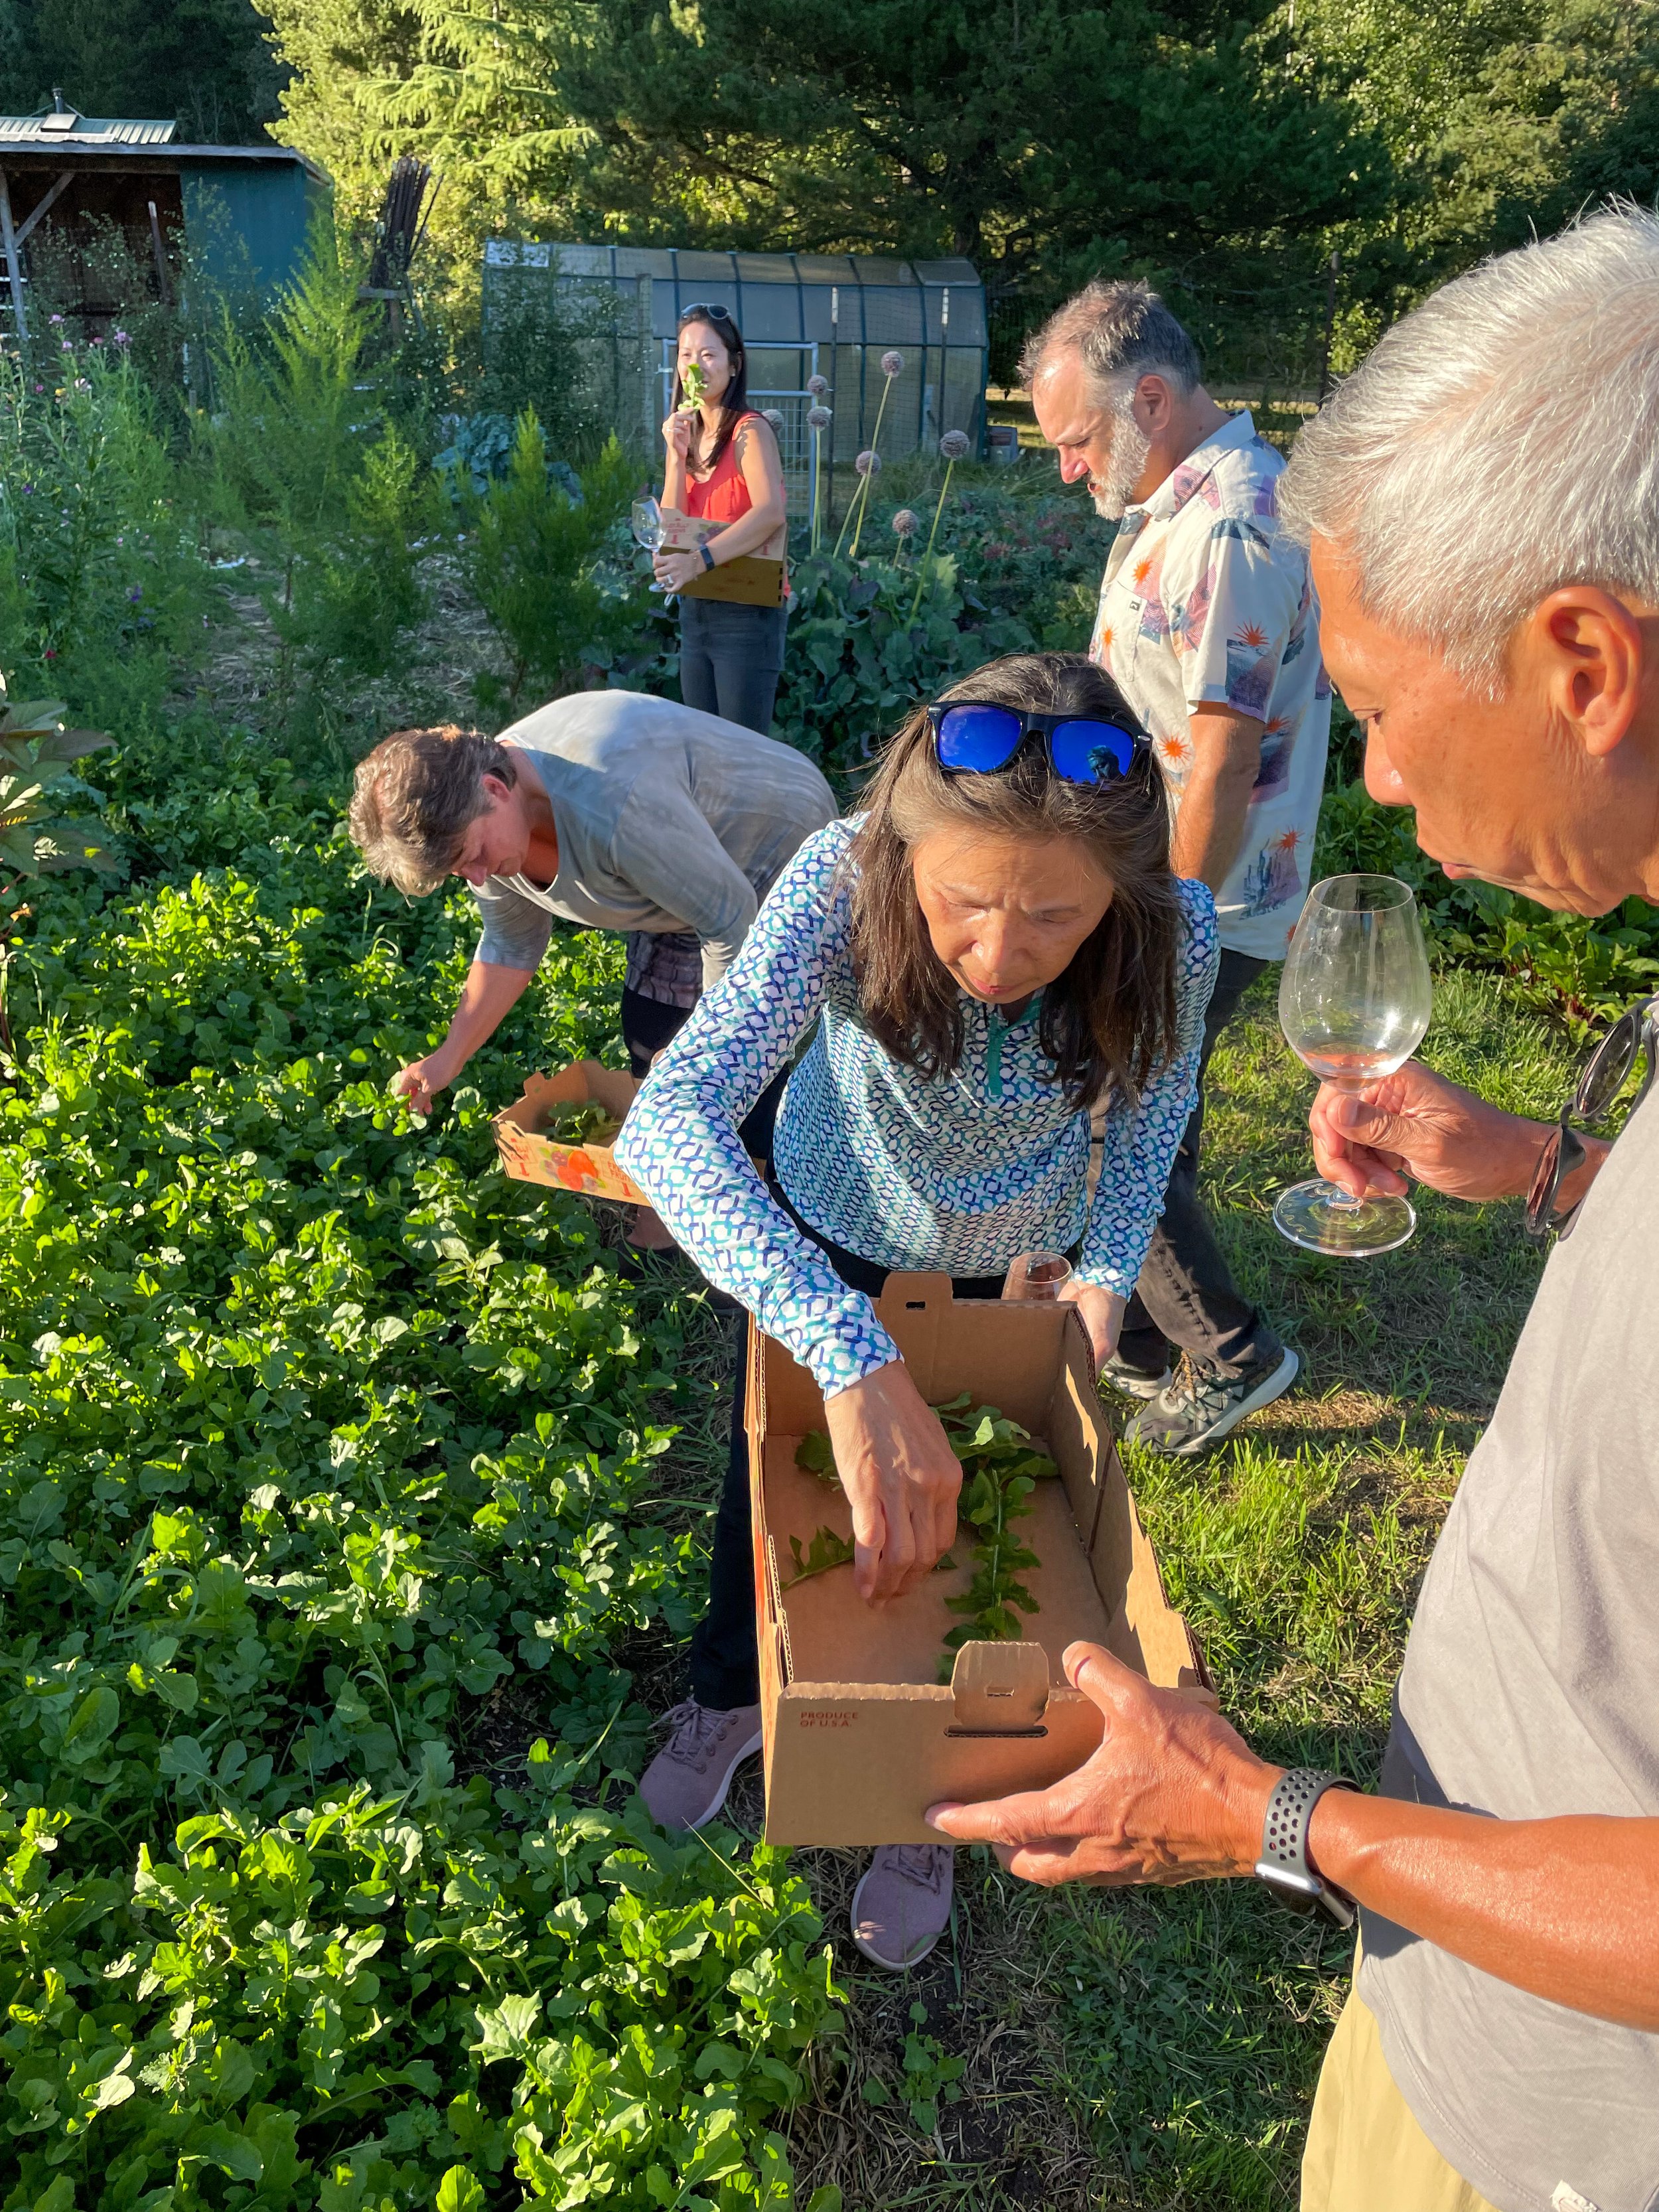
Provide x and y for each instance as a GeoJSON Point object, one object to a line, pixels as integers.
{"type": "Point", "coordinates": [686, 1784]}
{"type": "Point", "coordinates": [1134, 1382]}
{"type": "Point", "coordinates": [1201, 1405]}
{"type": "Point", "coordinates": [903, 1905]}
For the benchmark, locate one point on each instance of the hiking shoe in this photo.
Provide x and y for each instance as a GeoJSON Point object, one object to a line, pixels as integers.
{"type": "Point", "coordinates": [686, 1782]}
{"type": "Point", "coordinates": [903, 1905]}
{"type": "Point", "coordinates": [1135, 1382]}
{"type": "Point", "coordinates": [1201, 1405]}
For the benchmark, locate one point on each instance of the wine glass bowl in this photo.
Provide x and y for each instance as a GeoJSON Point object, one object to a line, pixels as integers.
{"type": "Point", "coordinates": [1039, 1276]}
{"type": "Point", "coordinates": [647, 523]}
{"type": "Point", "coordinates": [1354, 1000]}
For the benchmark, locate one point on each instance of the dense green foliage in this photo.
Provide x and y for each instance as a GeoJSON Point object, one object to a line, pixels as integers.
{"type": "Point", "coordinates": [315, 1432]}
{"type": "Point", "coordinates": [207, 62]}
{"type": "Point", "coordinates": [1226, 148]}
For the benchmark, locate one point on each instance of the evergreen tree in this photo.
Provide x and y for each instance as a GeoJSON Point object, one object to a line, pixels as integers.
{"type": "Point", "coordinates": [207, 63]}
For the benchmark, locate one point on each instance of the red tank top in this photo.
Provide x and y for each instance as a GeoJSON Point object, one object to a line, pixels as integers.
{"type": "Point", "coordinates": [722, 496]}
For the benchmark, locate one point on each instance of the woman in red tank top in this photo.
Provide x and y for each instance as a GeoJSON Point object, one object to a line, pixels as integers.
{"type": "Point", "coordinates": [723, 463]}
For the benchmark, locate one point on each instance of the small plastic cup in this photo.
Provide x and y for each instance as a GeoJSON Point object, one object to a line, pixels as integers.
{"type": "Point", "coordinates": [1037, 1276]}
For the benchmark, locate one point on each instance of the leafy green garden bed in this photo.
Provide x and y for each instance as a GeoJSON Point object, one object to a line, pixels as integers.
{"type": "Point", "coordinates": [316, 1432]}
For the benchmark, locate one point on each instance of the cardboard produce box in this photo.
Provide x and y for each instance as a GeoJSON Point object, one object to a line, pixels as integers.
{"type": "Point", "coordinates": [860, 1735]}
{"type": "Point", "coordinates": [752, 579]}
{"type": "Point", "coordinates": [530, 1157]}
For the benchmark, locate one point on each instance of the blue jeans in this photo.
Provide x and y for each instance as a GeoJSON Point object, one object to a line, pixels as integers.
{"type": "Point", "coordinates": [731, 659]}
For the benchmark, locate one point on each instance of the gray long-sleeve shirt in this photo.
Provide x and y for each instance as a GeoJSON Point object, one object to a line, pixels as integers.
{"type": "Point", "coordinates": [667, 819]}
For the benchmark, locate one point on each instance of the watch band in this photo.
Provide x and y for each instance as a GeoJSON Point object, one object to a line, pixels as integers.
{"type": "Point", "coordinates": [1283, 1865]}
{"type": "Point", "coordinates": [708, 558]}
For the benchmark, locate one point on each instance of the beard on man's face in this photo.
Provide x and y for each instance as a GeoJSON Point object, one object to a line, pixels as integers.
{"type": "Point", "coordinates": [1131, 449]}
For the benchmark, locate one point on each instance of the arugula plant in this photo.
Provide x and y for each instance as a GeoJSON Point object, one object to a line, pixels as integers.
{"type": "Point", "coordinates": [316, 1435]}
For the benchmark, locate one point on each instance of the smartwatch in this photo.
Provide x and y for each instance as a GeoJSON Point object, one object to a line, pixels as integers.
{"type": "Point", "coordinates": [708, 558]}
{"type": "Point", "coordinates": [1283, 1865]}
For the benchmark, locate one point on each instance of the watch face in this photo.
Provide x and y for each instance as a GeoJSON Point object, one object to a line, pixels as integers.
{"type": "Point", "coordinates": [1299, 1891]}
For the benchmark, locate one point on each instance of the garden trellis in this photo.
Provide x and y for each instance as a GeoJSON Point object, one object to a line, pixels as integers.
{"type": "Point", "coordinates": [801, 314]}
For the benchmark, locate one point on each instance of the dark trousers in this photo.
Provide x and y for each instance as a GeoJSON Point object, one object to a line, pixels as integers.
{"type": "Point", "coordinates": [724, 1666]}
{"type": "Point", "coordinates": [731, 659]}
{"type": "Point", "coordinates": [1186, 1297]}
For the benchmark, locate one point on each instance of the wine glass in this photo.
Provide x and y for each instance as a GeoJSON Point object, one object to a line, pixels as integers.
{"type": "Point", "coordinates": [1354, 1000]}
{"type": "Point", "coordinates": [646, 523]}
{"type": "Point", "coordinates": [1037, 1275]}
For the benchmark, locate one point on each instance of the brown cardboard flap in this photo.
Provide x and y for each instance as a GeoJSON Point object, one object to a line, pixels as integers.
{"type": "Point", "coordinates": [749, 580]}
{"type": "Point", "coordinates": [1000, 1687]}
{"type": "Point", "coordinates": [584, 1079]}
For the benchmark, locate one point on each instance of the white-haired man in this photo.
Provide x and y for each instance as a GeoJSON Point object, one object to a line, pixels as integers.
{"type": "Point", "coordinates": [1208, 622]}
{"type": "Point", "coordinates": [1482, 499]}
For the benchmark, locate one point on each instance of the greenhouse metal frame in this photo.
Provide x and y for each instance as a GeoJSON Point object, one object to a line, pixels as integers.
{"type": "Point", "coordinates": [801, 315]}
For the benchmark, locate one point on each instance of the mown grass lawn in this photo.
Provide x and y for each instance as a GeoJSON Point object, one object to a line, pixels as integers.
{"type": "Point", "coordinates": [1159, 2051]}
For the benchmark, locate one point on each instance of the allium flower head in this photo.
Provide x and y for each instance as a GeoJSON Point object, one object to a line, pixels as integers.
{"type": "Point", "coordinates": [867, 462]}
{"type": "Point", "coordinates": [817, 385]}
{"type": "Point", "coordinates": [891, 363]}
{"type": "Point", "coordinates": [953, 445]}
{"type": "Point", "coordinates": [818, 418]}
{"type": "Point", "coordinates": [905, 524]}
{"type": "Point", "coordinates": [775, 416]}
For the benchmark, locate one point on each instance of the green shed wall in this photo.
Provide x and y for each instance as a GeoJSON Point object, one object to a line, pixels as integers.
{"type": "Point", "coordinates": [247, 220]}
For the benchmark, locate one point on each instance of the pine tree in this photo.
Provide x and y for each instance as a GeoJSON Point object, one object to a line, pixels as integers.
{"type": "Point", "coordinates": [207, 63]}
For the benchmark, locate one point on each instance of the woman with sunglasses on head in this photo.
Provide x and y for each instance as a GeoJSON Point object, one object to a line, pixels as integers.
{"type": "Point", "coordinates": [723, 466]}
{"type": "Point", "coordinates": [992, 946]}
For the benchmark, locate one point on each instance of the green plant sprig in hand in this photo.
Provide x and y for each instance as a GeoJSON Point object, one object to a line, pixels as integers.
{"type": "Point", "coordinates": [693, 384]}
{"type": "Point", "coordinates": [1000, 1466]}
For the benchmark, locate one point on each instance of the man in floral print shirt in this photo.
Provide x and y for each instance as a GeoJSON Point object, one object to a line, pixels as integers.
{"type": "Point", "coordinates": [1208, 621]}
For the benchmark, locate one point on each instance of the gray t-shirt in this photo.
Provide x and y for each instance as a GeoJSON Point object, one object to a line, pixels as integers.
{"type": "Point", "coordinates": [1531, 1688]}
{"type": "Point", "coordinates": [667, 819]}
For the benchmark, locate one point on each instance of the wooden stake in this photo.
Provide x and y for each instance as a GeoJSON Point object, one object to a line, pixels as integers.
{"type": "Point", "coordinates": [9, 243]}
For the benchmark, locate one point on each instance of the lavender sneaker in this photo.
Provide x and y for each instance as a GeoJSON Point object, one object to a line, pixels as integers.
{"type": "Point", "coordinates": [903, 1905]}
{"type": "Point", "coordinates": [686, 1782]}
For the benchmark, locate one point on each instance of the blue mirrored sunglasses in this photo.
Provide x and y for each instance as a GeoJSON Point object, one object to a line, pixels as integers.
{"type": "Point", "coordinates": [977, 739]}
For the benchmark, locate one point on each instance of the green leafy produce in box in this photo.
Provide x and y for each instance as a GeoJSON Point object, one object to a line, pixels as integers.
{"type": "Point", "coordinates": [1000, 1466]}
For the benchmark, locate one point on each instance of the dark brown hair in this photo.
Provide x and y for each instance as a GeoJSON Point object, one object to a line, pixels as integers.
{"type": "Point", "coordinates": [734, 400]}
{"type": "Point", "coordinates": [414, 798]}
{"type": "Point", "coordinates": [1110, 1017]}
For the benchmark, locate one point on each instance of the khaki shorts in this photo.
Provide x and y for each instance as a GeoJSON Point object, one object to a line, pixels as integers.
{"type": "Point", "coordinates": [1365, 2152]}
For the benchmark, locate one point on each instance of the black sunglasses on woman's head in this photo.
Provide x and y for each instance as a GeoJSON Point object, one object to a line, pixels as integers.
{"type": "Point", "coordinates": [977, 737]}
{"type": "Point", "coordinates": [705, 311]}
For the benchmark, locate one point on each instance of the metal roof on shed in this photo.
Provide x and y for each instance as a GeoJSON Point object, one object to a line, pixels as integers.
{"type": "Point", "coordinates": [46, 129]}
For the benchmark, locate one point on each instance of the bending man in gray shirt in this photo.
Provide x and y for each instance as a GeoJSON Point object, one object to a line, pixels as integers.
{"type": "Point", "coordinates": [611, 809]}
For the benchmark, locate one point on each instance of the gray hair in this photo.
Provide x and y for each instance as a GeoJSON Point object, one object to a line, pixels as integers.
{"type": "Point", "coordinates": [415, 797]}
{"type": "Point", "coordinates": [1121, 330]}
{"type": "Point", "coordinates": [1502, 440]}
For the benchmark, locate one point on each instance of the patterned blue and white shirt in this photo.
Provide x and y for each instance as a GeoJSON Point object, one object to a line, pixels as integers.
{"type": "Point", "coordinates": [960, 1173]}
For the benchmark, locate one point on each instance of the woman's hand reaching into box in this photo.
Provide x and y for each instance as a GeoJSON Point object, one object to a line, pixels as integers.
{"type": "Point", "coordinates": [900, 1477]}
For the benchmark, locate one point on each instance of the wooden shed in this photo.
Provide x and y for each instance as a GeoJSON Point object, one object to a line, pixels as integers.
{"type": "Point", "coordinates": [239, 213]}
